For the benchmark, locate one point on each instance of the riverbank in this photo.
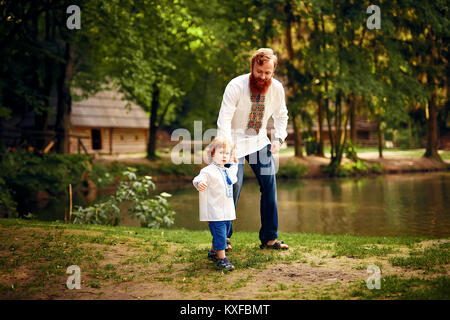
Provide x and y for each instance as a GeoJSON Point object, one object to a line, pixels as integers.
{"type": "Point", "coordinates": [393, 162]}
{"type": "Point", "coordinates": [138, 263]}
{"type": "Point", "coordinates": [387, 165]}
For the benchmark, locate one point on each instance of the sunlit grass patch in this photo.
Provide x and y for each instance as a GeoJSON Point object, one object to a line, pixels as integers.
{"type": "Point", "coordinates": [428, 259]}
{"type": "Point", "coordinates": [361, 250]}
{"type": "Point", "coordinates": [394, 287]}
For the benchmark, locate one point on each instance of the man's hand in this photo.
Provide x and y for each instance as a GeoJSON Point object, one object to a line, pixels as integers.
{"type": "Point", "coordinates": [275, 147]}
{"type": "Point", "coordinates": [202, 186]}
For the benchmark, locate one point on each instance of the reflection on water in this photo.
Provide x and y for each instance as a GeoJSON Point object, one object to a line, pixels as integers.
{"type": "Point", "coordinates": [415, 204]}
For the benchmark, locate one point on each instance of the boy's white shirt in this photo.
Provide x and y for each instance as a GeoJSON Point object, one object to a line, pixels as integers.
{"type": "Point", "coordinates": [214, 205]}
{"type": "Point", "coordinates": [235, 111]}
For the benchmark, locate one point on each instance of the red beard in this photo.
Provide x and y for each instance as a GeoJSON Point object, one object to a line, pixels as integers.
{"type": "Point", "coordinates": [259, 86]}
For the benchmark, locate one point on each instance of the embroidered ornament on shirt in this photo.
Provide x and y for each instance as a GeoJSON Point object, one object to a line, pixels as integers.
{"type": "Point", "coordinates": [256, 114]}
{"type": "Point", "coordinates": [227, 181]}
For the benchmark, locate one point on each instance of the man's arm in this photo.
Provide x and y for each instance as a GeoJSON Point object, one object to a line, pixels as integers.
{"type": "Point", "coordinates": [227, 109]}
{"type": "Point", "coordinates": [280, 121]}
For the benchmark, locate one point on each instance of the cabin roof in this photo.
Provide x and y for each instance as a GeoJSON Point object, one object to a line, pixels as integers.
{"type": "Point", "coordinates": [107, 109]}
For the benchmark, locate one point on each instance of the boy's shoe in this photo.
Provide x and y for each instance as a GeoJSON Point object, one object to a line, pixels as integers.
{"type": "Point", "coordinates": [224, 264]}
{"type": "Point", "coordinates": [212, 256]}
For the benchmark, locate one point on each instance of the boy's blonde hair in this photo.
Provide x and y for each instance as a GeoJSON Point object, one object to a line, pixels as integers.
{"type": "Point", "coordinates": [220, 142]}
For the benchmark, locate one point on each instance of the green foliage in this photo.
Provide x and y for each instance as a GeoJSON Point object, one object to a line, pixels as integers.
{"type": "Point", "coordinates": [178, 170]}
{"type": "Point", "coordinates": [377, 168]}
{"type": "Point", "coordinates": [7, 203]}
{"type": "Point", "coordinates": [163, 169]}
{"type": "Point", "coordinates": [359, 167]}
{"type": "Point", "coordinates": [405, 139]}
{"type": "Point", "coordinates": [116, 169]}
{"type": "Point", "coordinates": [101, 176]}
{"type": "Point", "coordinates": [311, 144]}
{"type": "Point", "coordinates": [29, 172]}
{"type": "Point", "coordinates": [24, 174]}
{"type": "Point", "coordinates": [350, 150]}
{"type": "Point", "coordinates": [291, 170]}
{"type": "Point", "coordinates": [151, 213]}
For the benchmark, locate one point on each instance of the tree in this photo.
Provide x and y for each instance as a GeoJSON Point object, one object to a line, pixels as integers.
{"type": "Point", "coordinates": [37, 50]}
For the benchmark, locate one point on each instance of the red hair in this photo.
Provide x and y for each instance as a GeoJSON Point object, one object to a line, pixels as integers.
{"type": "Point", "coordinates": [263, 55]}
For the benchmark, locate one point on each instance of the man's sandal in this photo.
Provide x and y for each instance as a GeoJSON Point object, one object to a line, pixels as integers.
{"type": "Point", "coordinates": [276, 246]}
{"type": "Point", "coordinates": [229, 247]}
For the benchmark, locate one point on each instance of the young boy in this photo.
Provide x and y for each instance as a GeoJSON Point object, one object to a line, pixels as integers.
{"type": "Point", "coordinates": [215, 186]}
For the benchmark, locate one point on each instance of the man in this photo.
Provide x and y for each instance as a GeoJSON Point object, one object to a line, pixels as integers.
{"type": "Point", "coordinates": [248, 103]}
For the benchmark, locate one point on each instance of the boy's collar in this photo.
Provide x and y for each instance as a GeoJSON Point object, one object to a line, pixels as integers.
{"type": "Point", "coordinates": [223, 167]}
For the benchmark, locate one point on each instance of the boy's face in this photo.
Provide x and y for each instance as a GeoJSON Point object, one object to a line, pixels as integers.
{"type": "Point", "coordinates": [222, 156]}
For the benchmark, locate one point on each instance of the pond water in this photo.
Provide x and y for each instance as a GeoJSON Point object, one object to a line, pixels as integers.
{"type": "Point", "coordinates": [414, 204]}
{"type": "Point", "coordinates": [390, 205]}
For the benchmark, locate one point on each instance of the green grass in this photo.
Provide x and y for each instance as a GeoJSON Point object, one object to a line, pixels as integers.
{"type": "Point", "coordinates": [430, 259]}
{"type": "Point", "coordinates": [177, 258]}
{"type": "Point", "coordinates": [415, 288]}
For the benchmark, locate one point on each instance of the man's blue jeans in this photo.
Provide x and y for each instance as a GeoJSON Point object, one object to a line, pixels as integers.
{"type": "Point", "coordinates": [263, 166]}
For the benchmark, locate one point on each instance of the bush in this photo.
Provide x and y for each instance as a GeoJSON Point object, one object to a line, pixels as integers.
{"type": "Point", "coordinates": [23, 174]}
{"type": "Point", "coordinates": [361, 166]}
{"type": "Point", "coordinates": [151, 213]}
{"type": "Point", "coordinates": [29, 172]}
{"type": "Point", "coordinates": [350, 151]}
{"type": "Point", "coordinates": [348, 169]}
{"type": "Point", "coordinates": [377, 168]}
{"type": "Point", "coordinates": [182, 170]}
{"type": "Point", "coordinates": [101, 176]}
{"type": "Point", "coordinates": [291, 170]}
{"type": "Point", "coordinates": [145, 169]}
{"type": "Point", "coordinates": [116, 169]}
{"type": "Point", "coordinates": [403, 140]}
{"type": "Point", "coordinates": [311, 145]}
{"type": "Point", "coordinates": [7, 203]}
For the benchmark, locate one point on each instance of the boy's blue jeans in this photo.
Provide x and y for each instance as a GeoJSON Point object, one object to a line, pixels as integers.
{"type": "Point", "coordinates": [220, 230]}
{"type": "Point", "coordinates": [263, 166]}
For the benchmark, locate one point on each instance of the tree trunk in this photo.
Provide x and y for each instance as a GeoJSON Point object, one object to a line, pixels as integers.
{"type": "Point", "coordinates": [41, 120]}
{"type": "Point", "coordinates": [64, 101]}
{"type": "Point", "coordinates": [338, 124]}
{"type": "Point", "coordinates": [380, 138]}
{"type": "Point", "coordinates": [432, 136]}
{"type": "Point", "coordinates": [151, 148]}
{"type": "Point", "coordinates": [290, 51]}
{"type": "Point", "coordinates": [297, 136]}
{"type": "Point", "coordinates": [320, 122]}
{"type": "Point", "coordinates": [343, 139]}
{"type": "Point", "coordinates": [410, 132]}
{"type": "Point", "coordinates": [432, 126]}
{"type": "Point", "coordinates": [328, 114]}
{"type": "Point", "coordinates": [353, 135]}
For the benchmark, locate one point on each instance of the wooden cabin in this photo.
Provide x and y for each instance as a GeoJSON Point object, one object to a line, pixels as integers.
{"type": "Point", "coordinates": [104, 125]}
